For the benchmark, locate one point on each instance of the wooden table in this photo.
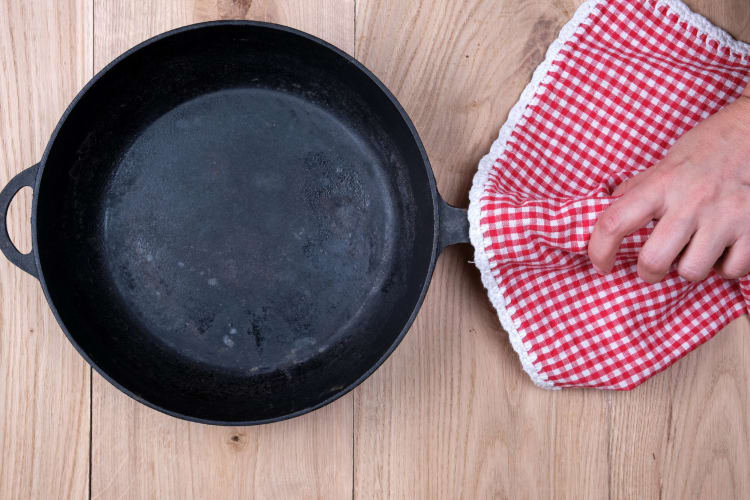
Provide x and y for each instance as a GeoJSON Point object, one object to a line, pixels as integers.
{"type": "Point", "coordinates": [451, 414]}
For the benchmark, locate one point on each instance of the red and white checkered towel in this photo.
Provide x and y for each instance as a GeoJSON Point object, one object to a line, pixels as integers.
{"type": "Point", "coordinates": [624, 80]}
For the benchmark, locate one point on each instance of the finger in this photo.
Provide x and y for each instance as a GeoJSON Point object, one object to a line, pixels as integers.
{"type": "Point", "coordinates": [625, 215]}
{"type": "Point", "coordinates": [665, 243]}
{"type": "Point", "coordinates": [632, 182]}
{"type": "Point", "coordinates": [704, 249]}
{"type": "Point", "coordinates": [736, 262]}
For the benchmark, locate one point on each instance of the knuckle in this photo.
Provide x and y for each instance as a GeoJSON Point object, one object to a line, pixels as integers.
{"type": "Point", "coordinates": [651, 263]}
{"type": "Point", "coordinates": [654, 195]}
{"type": "Point", "coordinates": [597, 256]}
{"type": "Point", "coordinates": [660, 175]}
{"type": "Point", "coordinates": [611, 222]}
{"type": "Point", "coordinates": [732, 272]}
{"type": "Point", "coordinates": [703, 193]}
{"type": "Point", "coordinates": [735, 211]}
{"type": "Point", "coordinates": [663, 177]}
{"type": "Point", "coordinates": [692, 271]}
{"type": "Point", "coordinates": [684, 222]}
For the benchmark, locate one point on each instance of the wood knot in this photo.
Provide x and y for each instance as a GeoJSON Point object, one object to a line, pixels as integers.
{"type": "Point", "coordinates": [541, 35]}
{"type": "Point", "coordinates": [237, 441]}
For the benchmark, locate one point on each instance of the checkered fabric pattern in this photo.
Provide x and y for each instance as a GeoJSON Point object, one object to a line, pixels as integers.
{"type": "Point", "coordinates": [623, 82]}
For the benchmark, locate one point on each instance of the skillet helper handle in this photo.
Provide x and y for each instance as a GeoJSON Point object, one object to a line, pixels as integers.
{"type": "Point", "coordinates": [21, 180]}
{"type": "Point", "coordinates": [454, 225]}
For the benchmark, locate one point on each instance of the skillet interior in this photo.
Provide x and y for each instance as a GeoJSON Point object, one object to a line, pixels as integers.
{"type": "Point", "coordinates": [235, 223]}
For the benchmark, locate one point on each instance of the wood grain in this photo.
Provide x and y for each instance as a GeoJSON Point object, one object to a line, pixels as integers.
{"type": "Point", "coordinates": [139, 453]}
{"type": "Point", "coordinates": [686, 432]}
{"type": "Point", "coordinates": [450, 414]}
{"type": "Point", "coordinates": [45, 57]}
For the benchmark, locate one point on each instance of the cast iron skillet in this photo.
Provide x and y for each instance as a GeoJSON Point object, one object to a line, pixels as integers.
{"type": "Point", "coordinates": [234, 223]}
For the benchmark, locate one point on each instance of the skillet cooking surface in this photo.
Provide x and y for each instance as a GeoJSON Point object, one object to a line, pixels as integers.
{"type": "Point", "coordinates": [274, 238]}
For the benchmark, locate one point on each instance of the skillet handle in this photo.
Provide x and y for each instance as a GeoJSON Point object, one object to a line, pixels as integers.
{"type": "Point", "coordinates": [454, 225]}
{"type": "Point", "coordinates": [21, 180]}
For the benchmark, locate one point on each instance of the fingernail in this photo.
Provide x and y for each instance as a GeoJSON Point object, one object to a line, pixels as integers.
{"type": "Point", "coordinates": [596, 268]}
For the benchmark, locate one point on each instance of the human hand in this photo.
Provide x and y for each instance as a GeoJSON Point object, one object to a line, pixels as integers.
{"type": "Point", "coordinates": [700, 194]}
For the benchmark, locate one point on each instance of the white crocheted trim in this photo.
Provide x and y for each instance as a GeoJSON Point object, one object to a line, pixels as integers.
{"type": "Point", "coordinates": [704, 26]}
{"type": "Point", "coordinates": [494, 286]}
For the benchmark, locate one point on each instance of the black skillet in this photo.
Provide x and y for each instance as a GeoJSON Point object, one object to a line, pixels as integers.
{"type": "Point", "coordinates": [234, 223]}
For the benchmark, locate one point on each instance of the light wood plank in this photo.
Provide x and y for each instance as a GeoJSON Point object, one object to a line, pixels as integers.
{"type": "Point", "coordinates": [45, 58]}
{"type": "Point", "coordinates": [451, 414]}
{"type": "Point", "coordinates": [572, 444]}
{"type": "Point", "coordinates": [331, 20]}
{"type": "Point", "coordinates": [708, 439]}
{"type": "Point", "coordinates": [686, 432]}
{"type": "Point", "coordinates": [139, 453]}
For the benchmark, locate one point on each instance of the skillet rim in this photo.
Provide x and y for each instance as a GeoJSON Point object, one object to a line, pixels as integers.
{"type": "Point", "coordinates": [436, 201]}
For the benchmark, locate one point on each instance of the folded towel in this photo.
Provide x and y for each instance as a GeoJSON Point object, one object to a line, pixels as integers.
{"type": "Point", "coordinates": [624, 80]}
